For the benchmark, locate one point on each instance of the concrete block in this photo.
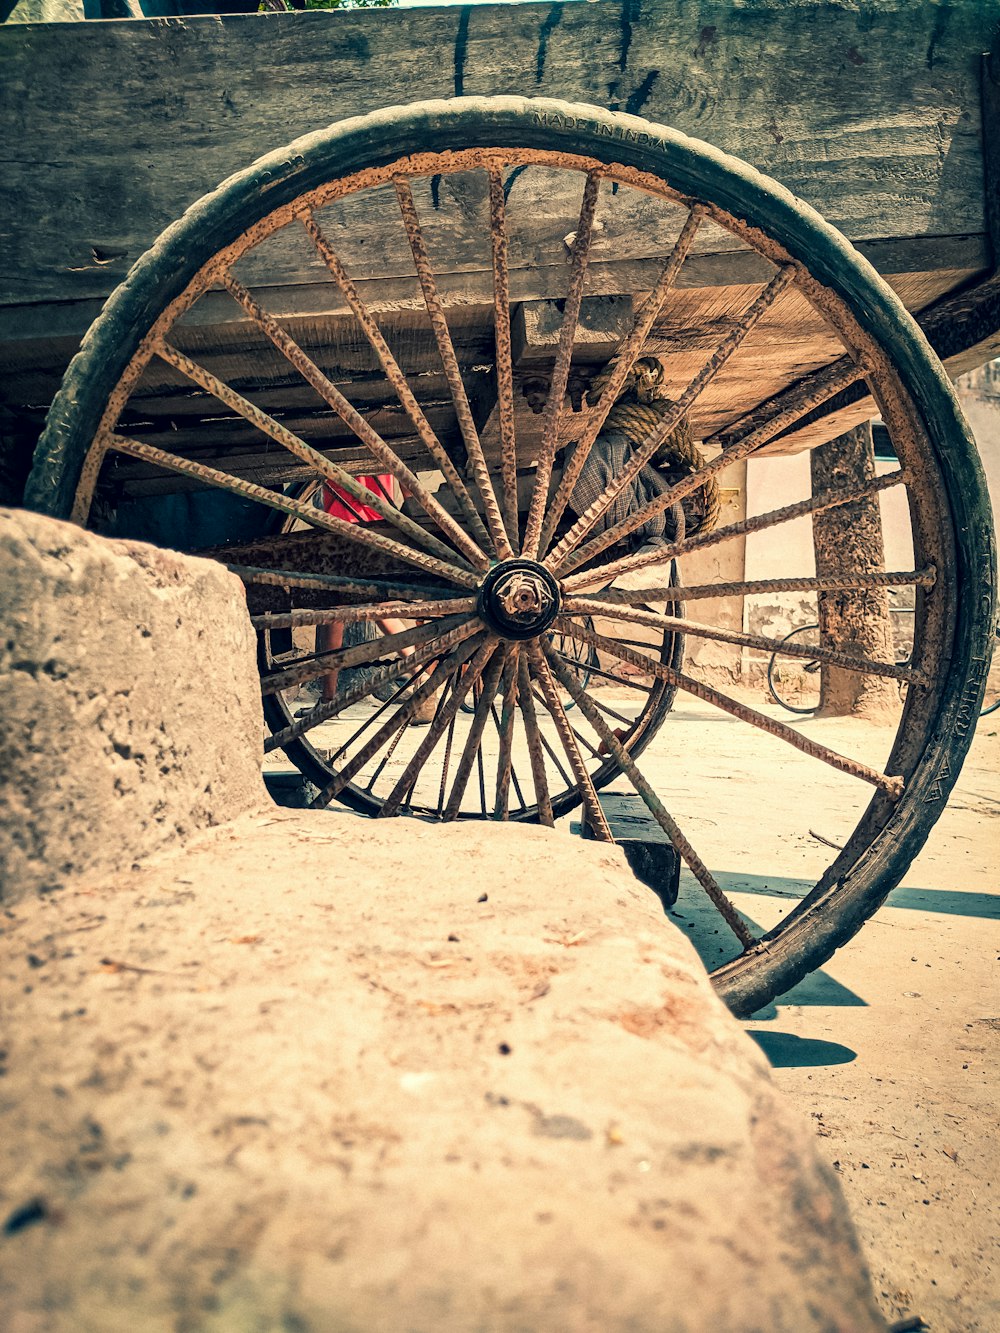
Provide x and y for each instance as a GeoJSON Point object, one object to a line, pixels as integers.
{"type": "Point", "coordinates": [129, 697]}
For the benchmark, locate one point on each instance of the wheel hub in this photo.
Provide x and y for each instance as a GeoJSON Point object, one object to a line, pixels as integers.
{"type": "Point", "coordinates": [519, 599]}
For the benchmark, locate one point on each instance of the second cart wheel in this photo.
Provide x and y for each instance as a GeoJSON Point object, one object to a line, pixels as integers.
{"type": "Point", "coordinates": [433, 233]}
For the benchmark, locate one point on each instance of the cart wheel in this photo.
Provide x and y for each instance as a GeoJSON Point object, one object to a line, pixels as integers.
{"type": "Point", "coordinates": [483, 578]}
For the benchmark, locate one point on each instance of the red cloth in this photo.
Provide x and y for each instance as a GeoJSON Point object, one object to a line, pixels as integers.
{"type": "Point", "coordinates": [341, 504]}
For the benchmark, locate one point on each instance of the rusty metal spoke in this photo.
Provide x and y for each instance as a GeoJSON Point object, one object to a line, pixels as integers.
{"type": "Point", "coordinates": [609, 597]}
{"type": "Point", "coordinates": [394, 701]}
{"type": "Point", "coordinates": [891, 785]}
{"type": "Point", "coordinates": [350, 416]}
{"type": "Point", "coordinates": [583, 606]}
{"type": "Point", "coordinates": [622, 361]}
{"type": "Point", "coordinates": [449, 361]}
{"type": "Point", "coordinates": [383, 736]}
{"type": "Point", "coordinates": [442, 718]}
{"type": "Point", "coordinates": [448, 743]}
{"type": "Point", "coordinates": [671, 495]}
{"type": "Point", "coordinates": [300, 449]}
{"type": "Point", "coordinates": [592, 806]}
{"type": "Point", "coordinates": [473, 742]}
{"type": "Point", "coordinates": [351, 615]}
{"type": "Point", "coordinates": [601, 704]}
{"type": "Point", "coordinates": [339, 583]}
{"type": "Point", "coordinates": [621, 681]}
{"type": "Point", "coordinates": [644, 452]}
{"type": "Point", "coordinates": [394, 374]}
{"type": "Point", "coordinates": [653, 803]}
{"type": "Point", "coordinates": [326, 709]}
{"type": "Point", "coordinates": [505, 731]}
{"type": "Point", "coordinates": [316, 518]}
{"type": "Point", "coordinates": [504, 355]}
{"type": "Point", "coordinates": [321, 664]}
{"type": "Point", "coordinates": [759, 523]}
{"type": "Point", "coordinates": [560, 373]}
{"type": "Point", "coordinates": [534, 738]}
{"type": "Point", "coordinates": [770, 409]}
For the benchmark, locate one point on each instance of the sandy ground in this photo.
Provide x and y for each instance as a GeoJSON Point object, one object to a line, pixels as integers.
{"type": "Point", "coordinates": [890, 1050]}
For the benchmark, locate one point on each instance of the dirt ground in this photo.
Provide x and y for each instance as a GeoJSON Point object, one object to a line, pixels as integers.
{"type": "Point", "coordinates": [891, 1050]}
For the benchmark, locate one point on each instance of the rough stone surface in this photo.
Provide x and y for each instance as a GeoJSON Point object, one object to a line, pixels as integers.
{"type": "Point", "coordinates": [313, 1073]}
{"type": "Point", "coordinates": [129, 693]}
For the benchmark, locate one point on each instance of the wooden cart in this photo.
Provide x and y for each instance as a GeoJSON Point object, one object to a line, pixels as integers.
{"type": "Point", "coordinates": [545, 329]}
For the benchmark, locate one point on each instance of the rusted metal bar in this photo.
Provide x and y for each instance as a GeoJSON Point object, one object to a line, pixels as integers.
{"type": "Point", "coordinates": [449, 741]}
{"type": "Point", "coordinates": [339, 583]}
{"type": "Point", "coordinates": [653, 803]}
{"type": "Point", "coordinates": [560, 373]}
{"type": "Point", "coordinates": [316, 518]}
{"type": "Point", "coordinates": [504, 355]}
{"type": "Point", "coordinates": [540, 670]}
{"type": "Point", "coordinates": [395, 700]}
{"type": "Point", "coordinates": [622, 361]}
{"type": "Point", "coordinates": [401, 719]}
{"type": "Point", "coordinates": [552, 753]}
{"type": "Point", "coordinates": [350, 416]}
{"type": "Point", "coordinates": [400, 384]}
{"type": "Point", "coordinates": [591, 749]}
{"type": "Point", "coordinates": [449, 361]}
{"type": "Point", "coordinates": [350, 615]}
{"type": "Point", "coordinates": [533, 737]}
{"type": "Point", "coordinates": [505, 731]}
{"type": "Point", "coordinates": [892, 786]}
{"type": "Point", "coordinates": [473, 742]}
{"type": "Point", "coordinates": [584, 606]}
{"type": "Point", "coordinates": [405, 665]}
{"type": "Point", "coordinates": [759, 523]}
{"type": "Point", "coordinates": [917, 578]}
{"type": "Point", "coordinates": [300, 449]}
{"type": "Point", "coordinates": [672, 494]}
{"type": "Point", "coordinates": [386, 759]}
{"type": "Point", "coordinates": [644, 451]}
{"type": "Point", "coordinates": [337, 659]}
{"type": "Point", "coordinates": [442, 718]}
{"type": "Point", "coordinates": [569, 663]}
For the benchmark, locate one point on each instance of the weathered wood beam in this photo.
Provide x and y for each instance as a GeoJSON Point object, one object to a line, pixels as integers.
{"type": "Point", "coordinates": [872, 115]}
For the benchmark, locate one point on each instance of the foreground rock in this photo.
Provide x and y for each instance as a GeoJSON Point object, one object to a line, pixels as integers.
{"type": "Point", "coordinates": [318, 1073]}
{"type": "Point", "coordinates": [129, 698]}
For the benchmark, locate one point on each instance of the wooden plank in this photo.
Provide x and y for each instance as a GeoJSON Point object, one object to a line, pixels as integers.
{"type": "Point", "coordinates": [870, 113]}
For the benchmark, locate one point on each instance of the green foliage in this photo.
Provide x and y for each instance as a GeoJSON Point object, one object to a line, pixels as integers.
{"type": "Point", "coordinates": [350, 4]}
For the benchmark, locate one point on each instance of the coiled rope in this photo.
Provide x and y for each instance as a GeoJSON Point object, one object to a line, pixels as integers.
{"type": "Point", "coordinates": [638, 410]}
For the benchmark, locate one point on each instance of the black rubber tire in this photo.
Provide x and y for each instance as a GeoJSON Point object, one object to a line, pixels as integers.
{"type": "Point", "coordinates": [930, 750]}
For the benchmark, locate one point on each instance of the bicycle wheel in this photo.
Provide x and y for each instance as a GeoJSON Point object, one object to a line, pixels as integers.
{"type": "Point", "coordinates": [794, 680]}
{"type": "Point", "coordinates": [415, 191]}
